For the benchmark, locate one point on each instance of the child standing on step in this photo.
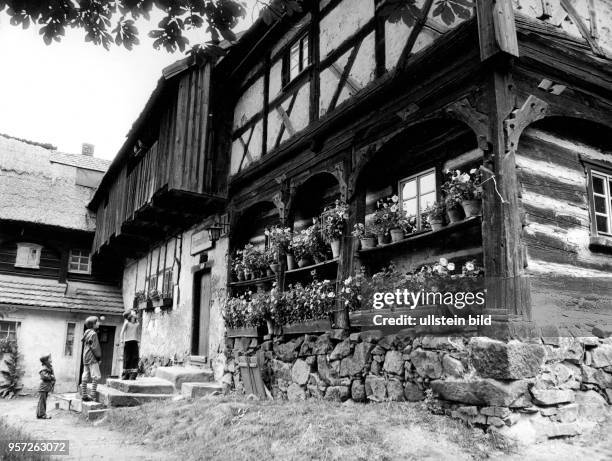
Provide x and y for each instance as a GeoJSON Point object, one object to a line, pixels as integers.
{"type": "Point", "coordinates": [47, 383]}
{"type": "Point", "coordinates": [130, 336]}
{"type": "Point", "coordinates": [92, 354]}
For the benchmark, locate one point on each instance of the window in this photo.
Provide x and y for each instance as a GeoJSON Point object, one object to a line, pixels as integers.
{"type": "Point", "coordinates": [69, 346]}
{"type": "Point", "coordinates": [79, 262]}
{"type": "Point", "coordinates": [601, 202]}
{"type": "Point", "coordinates": [167, 284]}
{"type": "Point", "coordinates": [296, 59]}
{"type": "Point", "coordinates": [28, 255]}
{"type": "Point", "coordinates": [417, 193]}
{"type": "Point", "coordinates": [8, 330]}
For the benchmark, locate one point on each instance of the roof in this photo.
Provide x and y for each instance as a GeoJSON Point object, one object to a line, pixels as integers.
{"type": "Point", "coordinates": [80, 161]}
{"type": "Point", "coordinates": [38, 185]}
{"type": "Point", "coordinates": [49, 294]}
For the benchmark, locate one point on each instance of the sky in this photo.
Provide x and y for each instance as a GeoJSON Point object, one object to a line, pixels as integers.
{"type": "Point", "coordinates": [73, 92]}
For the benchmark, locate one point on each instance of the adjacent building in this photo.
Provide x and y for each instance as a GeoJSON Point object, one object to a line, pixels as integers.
{"type": "Point", "coordinates": [49, 283]}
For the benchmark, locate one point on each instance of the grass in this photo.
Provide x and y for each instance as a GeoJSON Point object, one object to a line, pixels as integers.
{"type": "Point", "coordinates": [232, 428]}
{"type": "Point", "coordinates": [12, 434]}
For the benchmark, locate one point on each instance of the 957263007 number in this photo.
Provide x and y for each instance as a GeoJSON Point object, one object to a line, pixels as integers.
{"type": "Point", "coordinates": [49, 447]}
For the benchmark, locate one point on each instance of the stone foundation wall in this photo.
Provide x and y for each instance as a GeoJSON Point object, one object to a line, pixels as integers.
{"type": "Point", "coordinates": [544, 387]}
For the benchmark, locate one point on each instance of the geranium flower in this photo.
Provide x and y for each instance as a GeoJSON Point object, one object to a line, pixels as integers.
{"type": "Point", "coordinates": [469, 266]}
{"type": "Point", "coordinates": [395, 198]}
{"type": "Point", "coordinates": [450, 266]}
{"type": "Point", "coordinates": [393, 208]}
{"type": "Point", "coordinates": [443, 261]}
{"type": "Point", "coordinates": [473, 170]}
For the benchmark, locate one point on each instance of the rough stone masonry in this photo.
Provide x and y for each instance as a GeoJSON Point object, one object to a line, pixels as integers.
{"type": "Point", "coordinates": [547, 387]}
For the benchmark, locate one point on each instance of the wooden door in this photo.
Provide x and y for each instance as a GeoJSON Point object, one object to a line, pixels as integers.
{"type": "Point", "coordinates": [106, 336]}
{"type": "Point", "coordinates": [201, 315]}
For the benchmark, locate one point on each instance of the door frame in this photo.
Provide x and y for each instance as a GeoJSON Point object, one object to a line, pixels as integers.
{"type": "Point", "coordinates": [195, 309]}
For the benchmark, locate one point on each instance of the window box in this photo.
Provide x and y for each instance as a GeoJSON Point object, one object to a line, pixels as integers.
{"type": "Point", "coordinates": [247, 332]}
{"type": "Point", "coordinates": [164, 302]}
{"type": "Point", "coordinates": [600, 244]}
{"type": "Point", "coordinates": [308, 326]}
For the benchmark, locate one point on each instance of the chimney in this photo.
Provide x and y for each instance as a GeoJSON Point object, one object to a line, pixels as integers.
{"type": "Point", "coordinates": [87, 149]}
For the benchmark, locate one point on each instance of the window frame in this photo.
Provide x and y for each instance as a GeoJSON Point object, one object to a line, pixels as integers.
{"type": "Point", "coordinates": [15, 324]}
{"type": "Point", "coordinates": [286, 59]}
{"type": "Point", "coordinates": [71, 352]}
{"type": "Point", "coordinates": [418, 193]}
{"type": "Point", "coordinates": [605, 171]}
{"type": "Point", "coordinates": [29, 246]}
{"type": "Point", "coordinates": [79, 271]}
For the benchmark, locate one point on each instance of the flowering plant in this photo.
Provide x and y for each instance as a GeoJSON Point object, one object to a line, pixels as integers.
{"type": "Point", "coordinates": [332, 221]}
{"type": "Point", "coordinates": [350, 291]}
{"type": "Point", "coordinates": [462, 186]}
{"type": "Point", "coordinates": [280, 237]}
{"type": "Point", "coordinates": [362, 231]}
{"type": "Point", "coordinates": [435, 211]}
{"type": "Point", "coordinates": [311, 302]}
{"type": "Point", "coordinates": [154, 294]}
{"type": "Point", "coordinates": [270, 256]}
{"type": "Point", "coordinates": [237, 263]}
{"type": "Point", "coordinates": [253, 258]}
{"type": "Point", "coordinates": [389, 215]}
{"type": "Point", "coordinates": [308, 243]}
{"type": "Point", "coordinates": [140, 296]}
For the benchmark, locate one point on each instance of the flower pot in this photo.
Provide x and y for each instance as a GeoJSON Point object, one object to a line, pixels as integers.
{"type": "Point", "coordinates": [270, 325]}
{"type": "Point", "coordinates": [269, 272]}
{"type": "Point", "coordinates": [335, 247]}
{"type": "Point", "coordinates": [290, 262]}
{"type": "Point", "coordinates": [436, 224]}
{"type": "Point", "coordinates": [397, 235]}
{"type": "Point", "coordinates": [471, 207]}
{"type": "Point", "coordinates": [455, 214]}
{"type": "Point", "coordinates": [383, 239]}
{"type": "Point", "coordinates": [303, 262]}
{"type": "Point", "coordinates": [275, 267]}
{"type": "Point", "coordinates": [367, 242]}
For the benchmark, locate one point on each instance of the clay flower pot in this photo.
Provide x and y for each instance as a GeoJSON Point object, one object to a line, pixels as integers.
{"type": "Point", "coordinates": [383, 239]}
{"type": "Point", "coordinates": [275, 268]}
{"type": "Point", "coordinates": [436, 224]}
{"type": "Point", "coordinates": [304, 262]}
{"type": "Point", "coordinates": [455, 214]}
{"type": "Point", "coordinates": [367, 242]}
{"type": "Point", "coordinates": [290, 262]}
{"type": "Point", "coordinates": [335, 247]}
{"type": "Point", "coordinates": [396, 235]}
{"type": "Point", "coordinates": [471, 208]}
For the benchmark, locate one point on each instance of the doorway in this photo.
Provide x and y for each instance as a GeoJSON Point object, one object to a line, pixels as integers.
{"type": "Point", "coordinates": [106, 338]}
{"type": "Point", "coordinates": [202, 296]}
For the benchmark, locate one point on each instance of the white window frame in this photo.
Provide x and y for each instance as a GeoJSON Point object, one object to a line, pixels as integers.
{"type": "Point", "coordinates": [403, 181]}
{"type": "Point", "coordinates": [15, 326]}
{"type": "Point", "coordinates": [81, 254]}
{"type": "Point", "coordinates": [607, 196]}
{"type": "Point", "coordinates": [303, 50]}
{"type": "Point", "coordinates": [24, 259]}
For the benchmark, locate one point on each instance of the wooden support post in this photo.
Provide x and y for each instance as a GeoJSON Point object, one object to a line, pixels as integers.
{"type": "Point", "coordinates": [347, 249]}
{"type": "Point", "coordinates": [496, 28]}
{"type": "Point", "coordinates": [506, 284]}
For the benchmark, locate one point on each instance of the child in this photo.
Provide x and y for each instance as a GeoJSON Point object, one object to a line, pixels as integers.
{"type": "Point", "coordinates": [47, 383]}
{"type": "Point", "coordinates": [92, 353]}
{"type": "Point", "coordinates": [130, 337]}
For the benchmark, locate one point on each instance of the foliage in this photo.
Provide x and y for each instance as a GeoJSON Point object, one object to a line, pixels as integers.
{"type": "Point", "coordinates": [253, 258]}
{"type": "Point", "coordinates": [12, 375]}
{"type": "Point", "coordinates": [279, 237]}
{"type": "Point", "coordinates": [308, 242]}
{"type": "Point", "coordinates": [113, 22]}
{"type": "Point", "coordinates": [389, 215]}
{"type": "Point", "coordinates": [461, 186]}
{"type": "Point", "coordinates": [332, 221]}
{"type": "Point", "coordinates": [435, 212]}
{"type": "Point", "coordinates": [155, 294]}
{"type": "Point", "coordinates": [236, 263]}
{"type": "Point", "coordinates": [140, 296]}
{"type": "Point", "coordinates": [362, 231]}
{"type": "Point", "coordinates": [306, 302]}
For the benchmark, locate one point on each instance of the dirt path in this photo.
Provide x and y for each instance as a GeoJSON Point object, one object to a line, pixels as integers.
{"type": "Point", "coordinates": [87, 441]}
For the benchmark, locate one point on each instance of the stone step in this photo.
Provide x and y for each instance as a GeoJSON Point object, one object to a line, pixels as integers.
{"type": "Point", "coordinates": [179, 375]}
{"type": "Point", "coordinates": [195, 390]}
{"type": "Point", "coordinates": [141, 385]}
{"type": "Point", "coordinates": [115, 398]}
{"type": "Point", "coordinates": [91, 410]}
{"type": "Point", "coordinates": [68, 402]}
{"type": "Point", "coordinates": [198, 361]}
{"type": "Point", "coordinates": [94, 415]}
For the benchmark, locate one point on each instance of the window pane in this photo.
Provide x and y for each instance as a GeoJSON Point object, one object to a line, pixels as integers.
{"type": "Point", "coordinates": [428, 183]}
{"type": "Point", "coordinates": [409, 189]}
{"type": "Point", "coordinates": [598, 185]}
{"type": "Point", "coordinates": [410, 206]}
{"type": "Point", "coordinates": [427, 199]}
{"type": "Point", "coordinates": [69, 339]}
{"type": "Point", "coordinates": [294, 61]}
{"type": "Point", "coordinates": [600, 204]}
{"type": "Point", "coordinates": [602, 224]}
{"type": "Point", "coordinates": [305, 52]}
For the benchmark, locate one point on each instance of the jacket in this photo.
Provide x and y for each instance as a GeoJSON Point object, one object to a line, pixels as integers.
{"type": "Point", "coordinates": [92, 353]}
{"type": "Point", "coordinates": [47, 378]}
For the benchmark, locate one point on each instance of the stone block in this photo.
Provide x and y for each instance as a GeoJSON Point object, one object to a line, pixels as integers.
{"type": "Point", "coordinates": [495, 421]}
{"type": "Point", "coordinates": [196, 390]}
{"type": "Point", "coordinates": [602, 331]}
{"type": "Point", "coordinates": [295, 392]}
{"type": "Point", "coordinates": [596, 376]}
{"type": "Point", "coordinates": [591, 406]}
{"type": "Point", "coordinates": [601, 356]}
{"type": "Point", "coordinates": [342, 349]}
{"type": "Point", "coordinates": [371, 336]}
{"type": "Point", "coordinates": [552, 396]}
{"type": "Point", "coordinates": [500, 412]}
{"type": "Point", "coordinates": [376, 388]}
{"type": "Point", "coordinates": [413, 393]}
{"type": "Point", "coordinates": [442, 342]}
{"type": "Point", "coordinates": [287, 352]}
{"type": "Point", "coordinates": [452, 367]}
{"type": "Point", "coordinates": [481, 392]}
{"type": "Point", "coordinates": [300, 372]}
{"type": "Point", "coordinates": [394, 363]}
{"type": "Point", "coordinates": [327, 373]}
{"type": "Point", "coordinates": [308, 346]}
{"type": "Point", "coordinates": [338, 334]}
{"type": "Point", "coordinates": [337, 393]}
{"type": "Point", "coordinates": [511, 360]}
{"type": "Point", "coordinates": [395, 390]}
{"type": "Point", "coordinates": [323, 345]}
{"type": "Point", "coordinates": [567, 413]}
{"type": "Point", "coordinates": [95, 415]}
{"type": "Point", "coordinates": [280, 370]}
{"type": "Point", "coordinates": [470, 410]}
{"type": "Point", "coordinates": [387, 342]}
{"type": "Point", "coordinates": [426, 363]}
{"type": "Point", "coordinates": [355, 337]}
{"type": "Point", "coordinates": [179, 375]}
{"type": "Point", "coordinates": [358, 393]}
{"type": "Point", "coordinates": [146, 385]}
{"type": "Point", "coordinates": [355, 364]}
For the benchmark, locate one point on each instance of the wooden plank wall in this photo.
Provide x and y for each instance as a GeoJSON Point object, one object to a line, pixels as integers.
{"type": "Point", "coordinates": [176, 161]}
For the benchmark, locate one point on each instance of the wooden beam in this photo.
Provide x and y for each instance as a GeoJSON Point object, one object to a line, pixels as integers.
{"type": "Point", "coordinates": [343, 78]}
{"type": "Point", "coordinates": [418, 27]}
{"type": "Point", "coordinates": [496, 28]}
{"type": "Point", "coordinates": [586, 33]}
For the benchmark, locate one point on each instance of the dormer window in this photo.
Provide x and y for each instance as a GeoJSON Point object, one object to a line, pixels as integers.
{"type": "Point", "coordinates": [296, 59]}
{"type": "Point", "coordinates": [28, 256]}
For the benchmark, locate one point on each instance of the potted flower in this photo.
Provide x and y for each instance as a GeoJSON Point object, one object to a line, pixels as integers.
{"type": "Point", "coordinates": [315, 242]}
{"type": "Point", "coordinates": [332, 223]}
{"type": "Point", "coordinates": [471, 196]}
{"type": "Point", "coordinates": [155, 297]}
{"type": "Point", "coordinates": [238, 267]}
{"type": "Point", "coordinates": [271, 256]}
{"type": "Point", "coordinates": [435, 215]}
{"type": "Point", "coordinates": [463, 188]}
{"type": "Point", "coordinates": [280, 241]}
{"type": "Point", "coordinates": [301, 248]}
{"type": "Point", "coordinates": [254, 261]}
{"type": "Point", "coordinates": [384, 220]}
{"type": "Point", "coordinates": [365, 236]}
{"type": "Point", "coordinates": [140, 300]}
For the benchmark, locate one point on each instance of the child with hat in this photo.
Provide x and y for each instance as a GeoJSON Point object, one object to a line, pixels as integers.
{"type": "Point", "coordinates": [47, 383]}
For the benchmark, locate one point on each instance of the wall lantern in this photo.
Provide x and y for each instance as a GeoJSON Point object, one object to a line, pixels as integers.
{"type": "Point", "coordinates": [216, 230]}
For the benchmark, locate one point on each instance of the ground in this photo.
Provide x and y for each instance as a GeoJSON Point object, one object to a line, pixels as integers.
{"type": "Point", "coordinates": [227, 428]}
